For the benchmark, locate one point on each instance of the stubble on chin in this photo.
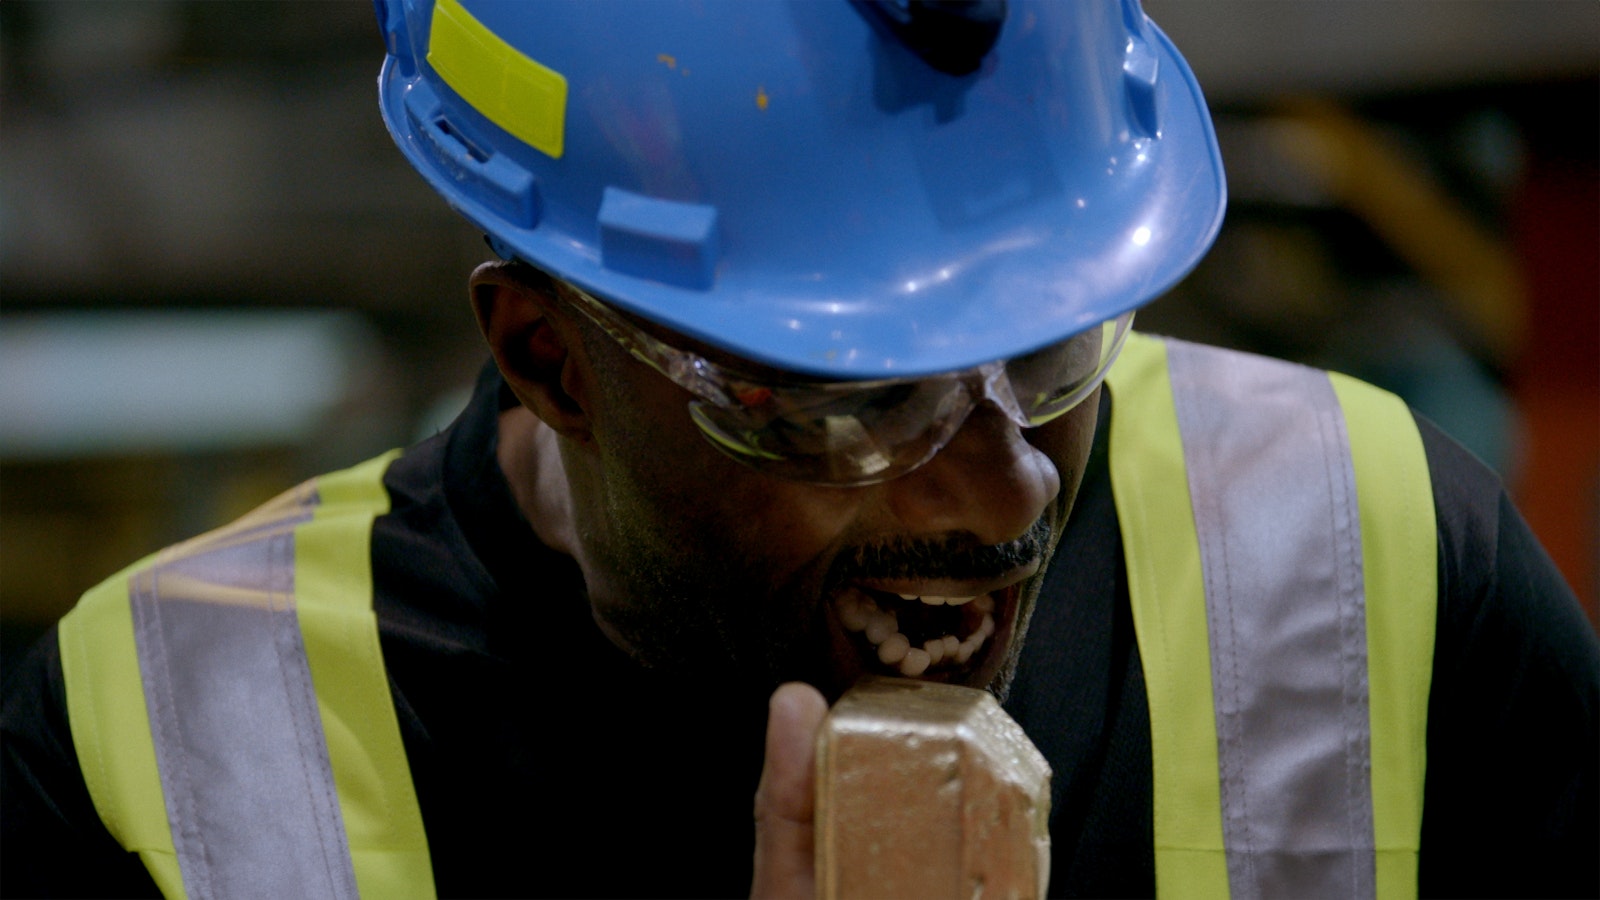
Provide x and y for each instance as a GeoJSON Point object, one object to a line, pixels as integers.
{"type": "Point", "coordinates": [1000, 686]}
{"type": "Point", "coordinates": [699, 614]}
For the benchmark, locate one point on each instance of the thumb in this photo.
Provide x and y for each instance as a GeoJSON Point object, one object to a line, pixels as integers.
{"type": "Point", "coordinates": [785, 799]}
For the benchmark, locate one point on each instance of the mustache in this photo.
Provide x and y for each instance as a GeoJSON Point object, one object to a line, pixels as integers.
{"type": "Point", "coordinates": [958, 556]}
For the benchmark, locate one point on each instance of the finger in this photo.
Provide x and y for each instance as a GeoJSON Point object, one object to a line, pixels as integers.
{"type": "Point", "coordinates": [785, 800]}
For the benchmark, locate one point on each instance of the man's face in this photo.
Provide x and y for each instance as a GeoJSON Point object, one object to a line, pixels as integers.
{"type": "Point", "coordinates": [701, 565]}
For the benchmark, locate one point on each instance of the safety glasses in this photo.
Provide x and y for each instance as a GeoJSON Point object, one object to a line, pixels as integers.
{"type": "Point", "coordinates": [848, 433]}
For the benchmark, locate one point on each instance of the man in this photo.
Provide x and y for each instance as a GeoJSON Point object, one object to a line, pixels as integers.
{"type": "Point", "coordinates": [799, 330]}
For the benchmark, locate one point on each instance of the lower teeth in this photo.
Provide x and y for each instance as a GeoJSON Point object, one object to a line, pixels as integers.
{"type": "Point", "coordinates": [881, 628]}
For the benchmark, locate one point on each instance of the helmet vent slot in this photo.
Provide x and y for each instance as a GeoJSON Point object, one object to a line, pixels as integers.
{"type": "Point", "coordinates": [508, 189]}
{"type": "Point", "coordinates": [460, 137]}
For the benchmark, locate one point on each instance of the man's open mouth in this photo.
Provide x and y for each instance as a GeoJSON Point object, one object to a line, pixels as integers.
{"type": "Point", "coordinates": [921, 636]}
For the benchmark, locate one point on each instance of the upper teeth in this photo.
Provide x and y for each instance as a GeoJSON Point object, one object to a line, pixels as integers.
{"type": "Point", "coordinates": [881, 628]}
{"type": "Point", "coordinates": [934, 600]}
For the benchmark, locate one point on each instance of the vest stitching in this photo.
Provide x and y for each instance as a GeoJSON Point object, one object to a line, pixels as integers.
{"type": "Point", "coordinates": [1237, 798]}
{"type": "Point", "coordinates": [182, 811]}
{"type": "Point", "coordinates": [1235, 801]}
{"type": "Point", "coordinates": [280, 546]}
{"type": "Point", "coordinates": [1340, 488]}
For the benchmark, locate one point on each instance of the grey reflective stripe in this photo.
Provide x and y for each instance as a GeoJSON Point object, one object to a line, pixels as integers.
{"type": "Point", "coordinates": [1274, 496]}
{"type": "Point", "coordinates": [244, 766]}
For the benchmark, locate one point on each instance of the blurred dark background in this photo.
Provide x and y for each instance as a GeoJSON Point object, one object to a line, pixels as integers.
{"type": "Point", "coordinates": [218, 276]}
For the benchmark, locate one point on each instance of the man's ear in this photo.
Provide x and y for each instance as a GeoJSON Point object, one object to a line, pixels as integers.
{"type": "Point", "coordinates": [535, 346]}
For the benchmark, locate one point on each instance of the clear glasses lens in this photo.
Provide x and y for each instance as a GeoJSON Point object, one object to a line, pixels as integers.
{"type": "Point", "coordinates": [1049, 382]}
{"type": "Point", "coordinates": [849, 433]}
{"type": "Point", "coordinates": [844, 434]}
{"type": "Point", "coordinates": [837, 435]}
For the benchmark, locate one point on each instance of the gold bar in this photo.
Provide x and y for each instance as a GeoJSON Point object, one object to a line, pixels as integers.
{"type": "Point", "coordinates": [929, 791]}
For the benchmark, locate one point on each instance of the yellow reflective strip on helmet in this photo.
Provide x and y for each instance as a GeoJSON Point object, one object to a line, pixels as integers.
{"type": "Point", "coordinates": [1149, 480]}
{"type": "Point", "coordinates": [511, 90]}
{"type": "Point", "coordinates": [1398, 558]}
{"type": "Point", "coordinates": [111, 726]}
{"type": "Point", "coordinates": [333, 593]}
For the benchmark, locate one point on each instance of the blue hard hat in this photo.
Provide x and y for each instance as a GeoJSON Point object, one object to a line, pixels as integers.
{"type": "Point", "coordinates": [840, 189]}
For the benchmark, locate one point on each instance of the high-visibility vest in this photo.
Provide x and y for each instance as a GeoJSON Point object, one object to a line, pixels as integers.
{"type": "Point", "coordinates": [1278, 527]}
{"type": "Point", "coordinates": [234, 725]}
{"type": "Point", "coordinates": [231, 713]}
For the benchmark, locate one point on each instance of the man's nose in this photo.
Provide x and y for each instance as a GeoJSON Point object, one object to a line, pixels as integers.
{"type": "Point", "coordinates": [987, 480]}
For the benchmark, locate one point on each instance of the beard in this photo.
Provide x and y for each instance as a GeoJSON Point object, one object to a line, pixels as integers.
{"type": "Point", "coordinates": [709, 609]}
{"type": "Point", "coordinates": [697, 608]}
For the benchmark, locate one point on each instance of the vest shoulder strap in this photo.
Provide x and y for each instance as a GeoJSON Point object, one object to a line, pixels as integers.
{"type": "Point", "coordinates": [1278, 527]}
{"type": "Point", "coordinates": [231, 713]}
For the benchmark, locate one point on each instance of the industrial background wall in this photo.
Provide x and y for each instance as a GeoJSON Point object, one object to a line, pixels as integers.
{"type": "Point", "coordinates": [217, 275]}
